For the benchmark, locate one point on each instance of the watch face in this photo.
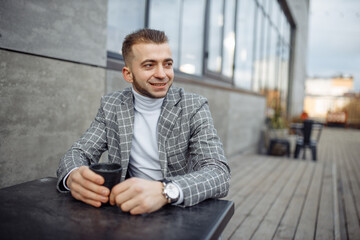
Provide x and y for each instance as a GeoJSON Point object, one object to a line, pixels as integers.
{"type": "Point", "coordinates": [172, 191]}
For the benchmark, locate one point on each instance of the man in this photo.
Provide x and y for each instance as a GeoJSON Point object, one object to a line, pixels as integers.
{"type": "Point", "coordinates": [163, 138]}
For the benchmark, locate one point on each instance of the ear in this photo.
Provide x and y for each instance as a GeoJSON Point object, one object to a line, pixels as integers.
{"type": "Point", "coordinates": [127, 74]}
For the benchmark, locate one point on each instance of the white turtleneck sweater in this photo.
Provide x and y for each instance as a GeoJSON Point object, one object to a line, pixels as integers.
{"type": "Point", "coordinates": [144, 155]}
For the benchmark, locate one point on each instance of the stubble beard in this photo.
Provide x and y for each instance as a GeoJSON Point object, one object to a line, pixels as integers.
{"type": "Point", "coordinates": [144, 92]}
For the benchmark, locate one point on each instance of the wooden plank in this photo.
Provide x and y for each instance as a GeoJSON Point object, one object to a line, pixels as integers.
{"type": "Point", "coordinates": [289, 222]}
{"type": "Point", "coordinates": [248, 183]}
{"type": "Point", "coordinates": [328, 225]}
{"type": "Point", "coordinates": [241, 187]}
{"type": "Point", "coordinates": [240, 173]}
{"type": "Point", "coordinates": [337, 216]}
{"type": "Point", "coordinates": [241, 160]}
{"type": "Point", "coordinates": [354, 173]}
{"type": "Point", "coordinates": [266, 198]}
{"type": "Point", "coordinates": [325, 223]}
{"type": "Point", "coordinates": [244, 200]}
{"type": "Point", "coordinates": [342, 222]}
{"type": "Point", "coordinates": [352, 220]}
{"type": "Point", "coordinates": [306, 227]}
{"type": "Point", "coordinates": [272, 219]}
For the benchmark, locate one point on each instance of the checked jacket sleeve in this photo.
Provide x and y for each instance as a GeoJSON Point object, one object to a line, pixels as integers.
{"type": "Point", "coordinates": [198, 163]}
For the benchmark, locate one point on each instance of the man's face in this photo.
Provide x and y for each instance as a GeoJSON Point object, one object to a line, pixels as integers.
{"type": "Point", "coordinates": [150, 69]}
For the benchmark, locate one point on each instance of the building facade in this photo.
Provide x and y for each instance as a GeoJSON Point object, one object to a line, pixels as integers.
{"type": "Point", "coordinates": [57, 58]}
{"type": "Point", "coordinates": [332, 100]}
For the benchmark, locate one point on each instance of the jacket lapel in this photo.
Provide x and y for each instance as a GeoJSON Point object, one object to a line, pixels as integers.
{"type": "Point", "coordinates": [167, 120]}
{"type": "Point", "coordinates": [125, 118]}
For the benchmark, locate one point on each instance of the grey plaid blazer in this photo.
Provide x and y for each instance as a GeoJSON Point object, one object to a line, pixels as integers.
{"type": "Point", "coordinates": [190, 151]}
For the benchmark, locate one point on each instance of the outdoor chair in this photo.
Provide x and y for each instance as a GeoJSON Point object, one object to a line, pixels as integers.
{"type": "Point", "coordinates": [304, 139]}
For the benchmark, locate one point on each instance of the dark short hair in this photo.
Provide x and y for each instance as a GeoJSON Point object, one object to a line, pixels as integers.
{"type": "Point", "coordinates": [145, 35]}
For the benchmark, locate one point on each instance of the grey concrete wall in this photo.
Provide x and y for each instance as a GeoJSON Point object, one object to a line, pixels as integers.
{"type": "Point", "coordinates": [46, 105]}
{"type": "Point", "coordinates": [50, 87]}
{"type": "Point", "coordinates": [115, 81]}
{"type": "Point", "coordinates": [66, 29]}
{"type": "Point", "coordinates": [300, 13]}
{"type": "Point", "coordinates": [238, 117]}
{"type": "Point", "coordinates": [246, 120]}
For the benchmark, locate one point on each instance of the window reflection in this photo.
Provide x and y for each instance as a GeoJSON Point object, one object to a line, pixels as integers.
{"type": "Point", "coordinates": [258, 53]}
{"type": "Point", "coordinates": [216, 23]}
{"type": "Point", "coordinates": [192, 37]}
{"type": "Point", "coordinates": [183, 22]}
{"type": "Point", "coordinates": [165, 16]}
{"type": "Point", "coordinates": [245, 42]}
{"type": "Point", "coordinates": [229, 39]}
{"type": "Point", "coordinates": [124, 17]}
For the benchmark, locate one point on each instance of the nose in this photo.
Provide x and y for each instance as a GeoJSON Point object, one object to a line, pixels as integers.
{"type": "Point", "coordinates": [160, 72]}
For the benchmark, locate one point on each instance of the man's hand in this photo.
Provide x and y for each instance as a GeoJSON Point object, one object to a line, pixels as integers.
{"type": "Point", "coordinates": [86, 186]}
{"type": "Point", "coordinates": [138, 196]}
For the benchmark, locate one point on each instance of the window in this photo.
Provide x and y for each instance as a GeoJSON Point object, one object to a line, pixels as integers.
{"type": "Point", "coordinates": [192, 37]}
{"type": "Point", "coordinates": [258, 51]}
{"type": "Point", "coordinates": [244, 44]}
{"type": "Point", "coordinates": [183, 22]}
{"type": "Point", "coordinates": [216, 22]}
{"type": "Point", "coordinates": [221, 37]}
{"type": "Point", "coordinates": [229, 39]}
{"type": "Point", "coordinates": [124, 17]}
{"type": "Point", "coordinates": [165, 16]}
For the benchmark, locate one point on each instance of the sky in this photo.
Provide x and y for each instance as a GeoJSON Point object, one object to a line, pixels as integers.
{"type": "Point", "coordinates": [334, 39]}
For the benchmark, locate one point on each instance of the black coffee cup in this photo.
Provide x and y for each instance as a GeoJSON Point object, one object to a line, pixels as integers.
{"type": "Point", "coordinates": [111, 172]}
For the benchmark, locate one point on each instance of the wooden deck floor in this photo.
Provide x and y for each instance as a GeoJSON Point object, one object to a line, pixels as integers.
{"type": "Point", "coordinates": [280, 198]}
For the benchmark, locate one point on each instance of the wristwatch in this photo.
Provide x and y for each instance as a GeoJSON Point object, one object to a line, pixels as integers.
{"type": "Point", "coordinates": [170, 191]}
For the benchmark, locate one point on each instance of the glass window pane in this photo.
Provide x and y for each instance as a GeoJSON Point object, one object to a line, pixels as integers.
{"type": "Point", "coordinates": [124, 17]}
{"type": "Point", "coordinates": [244, 43]}
{"type": "Point", "coordinates": [265, 56]}
{"type": "Point", "coordinates": [258, 54]}
{"type": "Point", "coordinates": [273, 60]}
{"type": "Point", "coordinates": [229, 39]}
{"type": "Point", "coordinates": [165, 16]}
{"type": "Point", "coordinates": [266, 5]}
{"type": "Point", "coordinates": [274, 14]}
{"type": "Point", "coordinates": [285, 56]}
{"type": "Point", "coordinates": [287, 32]}
{"type": "Point", "coordinates": [192, 37]}
{"type": "Point", "coordinates": [183, 22]}
{"type": "Point", "coordinates": [216, 23]}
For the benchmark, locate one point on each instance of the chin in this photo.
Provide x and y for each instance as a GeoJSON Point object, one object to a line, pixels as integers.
{"type": "Point", "coordinates": [159, 95]}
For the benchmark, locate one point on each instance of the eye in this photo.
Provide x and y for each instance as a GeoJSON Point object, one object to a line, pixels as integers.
{"type": "Point", "coordinates": [168, 64]}
{"type": "Point", "coordinates": [148, 65]}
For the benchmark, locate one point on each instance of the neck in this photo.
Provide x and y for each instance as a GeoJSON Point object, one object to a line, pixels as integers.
{"type": "Point", "coordinates": [147, 104]}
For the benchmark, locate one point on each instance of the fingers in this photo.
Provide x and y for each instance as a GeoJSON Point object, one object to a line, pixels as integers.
{"type": "Point", "coordinates": [86, 186]}
{"type": "Point", "coordinates": [89, 200]}
{"type": "Point", "coordinates": [117, 192]}
{"type": "Point", "coordinates": [138, 196]}
{"type": "Point", "coordinates": [92, 176]}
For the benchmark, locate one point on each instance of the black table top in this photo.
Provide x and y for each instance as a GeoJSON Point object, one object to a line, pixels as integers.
{"type": "Point", "coordinates": [35, 210]}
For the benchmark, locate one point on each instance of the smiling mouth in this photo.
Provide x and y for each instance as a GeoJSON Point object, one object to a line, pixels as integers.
{"type": "Point", "coordinates": [158, 84]}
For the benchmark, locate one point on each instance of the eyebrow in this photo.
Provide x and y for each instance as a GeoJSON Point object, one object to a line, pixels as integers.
{"type": "Point", "coordinates": [152, 60]}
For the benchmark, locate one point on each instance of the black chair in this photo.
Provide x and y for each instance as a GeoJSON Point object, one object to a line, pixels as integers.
{"type": "Point", "coordinates": [305, 141]}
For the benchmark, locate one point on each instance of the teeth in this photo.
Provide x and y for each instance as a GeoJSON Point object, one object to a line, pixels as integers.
{"type": "Point", "coordinates": [159, 84]}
